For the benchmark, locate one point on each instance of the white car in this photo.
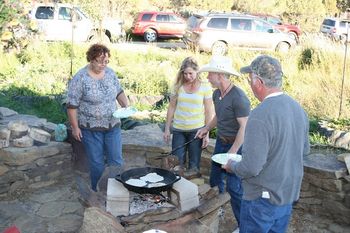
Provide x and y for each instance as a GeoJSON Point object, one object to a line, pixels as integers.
{"type": "Point", "coordinates": [64, 22]}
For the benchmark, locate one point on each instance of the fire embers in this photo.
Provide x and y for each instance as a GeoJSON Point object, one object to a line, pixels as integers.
{"type": "Point", "coordinates": [143, 202]}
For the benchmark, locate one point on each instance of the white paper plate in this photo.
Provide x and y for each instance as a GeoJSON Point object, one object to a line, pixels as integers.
{"type": "Point", "coordinates": [124, 112]}
{"type": "Point", "coordinates": [224, 157]}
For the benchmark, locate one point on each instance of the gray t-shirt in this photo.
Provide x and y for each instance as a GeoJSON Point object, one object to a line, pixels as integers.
{"type": "Point", "coordinates": [94, 99]}
{"type": "Point", "coordinates": [276, 138]}
{"type": "Point", "coordinates": [235, 104]}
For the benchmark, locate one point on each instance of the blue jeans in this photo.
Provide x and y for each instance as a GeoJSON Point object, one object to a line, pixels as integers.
{"type": "Point", "coordinates": [97, 144]}
{"type": "Point", "coordinates": [261, 216]}
{"type": "Point", "coordinates": [233, 182]}
{"type": "Point", "coordinates": [194, 148]}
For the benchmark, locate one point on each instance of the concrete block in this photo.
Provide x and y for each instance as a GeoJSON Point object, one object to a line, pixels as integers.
{"type": "Point", "coordinates": [117, 208]}
{"type": "Point", "coordinates": [115, 189]}
{"type": "Point", "coordinates": [189, 204]}
{"type": "Point", "coordinates": [184, 189]}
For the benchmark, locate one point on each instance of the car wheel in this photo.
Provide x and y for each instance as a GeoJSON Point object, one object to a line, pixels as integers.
{"type": "Point", "coordinates": [150, 35]}
{"type": "Point", "coordinates": [283, 47]}
{"type": "Point", "coordinates": [219, 48]}
{"type": "Point", "coordinates": [294, 36]}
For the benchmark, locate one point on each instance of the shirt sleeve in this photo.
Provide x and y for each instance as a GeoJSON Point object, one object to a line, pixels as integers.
{"type": "Point", "coordinates": [75, 91]}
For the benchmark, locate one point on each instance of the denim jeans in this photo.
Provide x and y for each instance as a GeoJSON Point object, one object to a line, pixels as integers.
{"type": "Point", "coordinates": [261, 216]}
{"type": "Point", "coordinates": [233, 182]}
{"type": "Point", "coordinates": [97, 144]}
{"type": "Point", "coordinates": [194, 148]}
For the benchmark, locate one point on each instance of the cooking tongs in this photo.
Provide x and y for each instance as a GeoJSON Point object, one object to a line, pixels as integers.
{"type": "Point", "coordinates": [181, 146]}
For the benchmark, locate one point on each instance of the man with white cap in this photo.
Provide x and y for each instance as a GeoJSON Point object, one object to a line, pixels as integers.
{"type": "Point", "coordinates": [232, 108]}
{"type": "Point", "coordinates": [275, 141]}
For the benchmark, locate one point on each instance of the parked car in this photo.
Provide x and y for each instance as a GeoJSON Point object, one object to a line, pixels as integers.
{"type": "Point", "coordinates": [152, 25]}
{"type": "Point", "coordinates": [292, 29]}
{"type": "Point", "coordinates": [216, 32]}
{"type": "Point", "coordinates": [335, 28]}
{"type": "Point", "coordinates": [55, 22]}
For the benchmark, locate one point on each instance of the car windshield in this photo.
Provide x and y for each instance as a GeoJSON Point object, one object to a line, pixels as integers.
{"type": "Point", "coordinates": [329, 22]}
{"type": "Point", "coordinates": [273, 20]}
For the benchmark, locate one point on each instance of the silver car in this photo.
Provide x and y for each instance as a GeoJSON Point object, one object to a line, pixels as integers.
{"type": "Point", "coordinates": [216, 32]}
{"type": "Point", "coordinates": [335, 28]}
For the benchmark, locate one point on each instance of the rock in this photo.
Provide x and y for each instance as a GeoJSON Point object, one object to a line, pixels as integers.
{"type": "Point", "coordinates": [39, 135]}
{"type": "Point", "coordinates": [4, 137]}
{"type": "Point", "coordinates": [24, 141]}
{"type": "Point", "coordinates": [97, 220]}
{"type": "Point", "coordinates": [18, 129]}
{"type": "Point", "coordinates": [340, 157]}
{"type": "Point", "coordinates": [347, 162]}
{"type": "Point", "coordinates": [4, 143]}
{"type": "Point", "coordinates": [5, 134]}
{"type": "Point", "coordinates": [5, 112]}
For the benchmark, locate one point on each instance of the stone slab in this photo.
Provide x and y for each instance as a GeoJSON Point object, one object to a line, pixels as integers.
{"type": "Point", "coordinates": [326, 166]}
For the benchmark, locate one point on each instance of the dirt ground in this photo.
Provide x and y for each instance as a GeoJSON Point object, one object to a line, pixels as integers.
{"type": "Point", "coordinates": [300, 223]}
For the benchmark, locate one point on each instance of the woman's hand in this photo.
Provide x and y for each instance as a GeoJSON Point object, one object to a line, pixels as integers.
{"type": "Point", "coordinates": [205, 141]}
{"type": "Point", "coordinates": [166, 135]}
{"type": "Point", "coordinates": [203, 132]}
{"type": "Point", "coordinates": [76, 132]}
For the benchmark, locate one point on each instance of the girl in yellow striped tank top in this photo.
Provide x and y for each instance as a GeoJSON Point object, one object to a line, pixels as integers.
{"type": "Point", "coordinates": [190, 108]}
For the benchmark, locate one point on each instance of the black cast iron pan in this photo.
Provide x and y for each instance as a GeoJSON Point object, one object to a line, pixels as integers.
{"type": "Point", "coordinates": [135, 173]}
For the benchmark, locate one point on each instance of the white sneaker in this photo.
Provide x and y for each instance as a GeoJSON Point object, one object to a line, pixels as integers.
{"type": "Point", "coordinates": [236, 231]}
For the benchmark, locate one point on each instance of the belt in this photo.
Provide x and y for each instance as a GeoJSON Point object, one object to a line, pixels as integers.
{"type": "Point", "coordinates": [227, 139]}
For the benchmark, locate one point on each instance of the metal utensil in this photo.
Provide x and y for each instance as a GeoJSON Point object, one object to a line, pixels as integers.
{"type": "Point", "coordinates": [181, 146]}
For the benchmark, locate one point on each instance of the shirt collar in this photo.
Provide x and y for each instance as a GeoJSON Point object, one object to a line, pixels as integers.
{"type": "Point", "coordinates": [274, 94]}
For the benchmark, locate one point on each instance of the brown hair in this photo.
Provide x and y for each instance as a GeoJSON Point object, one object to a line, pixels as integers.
{"type": "Point", "coordinates": [187, 62]}
{"type": "Point", "coordinates": [96, 50]}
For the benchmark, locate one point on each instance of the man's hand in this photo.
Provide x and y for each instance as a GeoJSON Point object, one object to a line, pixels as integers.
{"type": "Point", "coordinates": [229, 166]}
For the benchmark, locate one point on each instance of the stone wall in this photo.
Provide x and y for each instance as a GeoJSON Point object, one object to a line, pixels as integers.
{"type": "Point", "coordinates": [33, 167]}
{"type": "Point", "coordinates": [325, 188]}
{"type": "Point", "coordinates": [42, 164]}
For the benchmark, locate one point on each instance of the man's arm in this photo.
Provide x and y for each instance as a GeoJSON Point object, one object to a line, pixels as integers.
{"type": "Point", "coordinates": [242, 121]}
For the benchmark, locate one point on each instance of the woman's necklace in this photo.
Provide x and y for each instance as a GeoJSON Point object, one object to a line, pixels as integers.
{"type": "Point", "coordinates": [223, 94]}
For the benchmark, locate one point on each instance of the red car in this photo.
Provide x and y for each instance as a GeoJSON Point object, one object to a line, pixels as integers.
{"type": "Point", "coordinates": [291, 29]}
{"type": "Point", "coordinates": [152, 25]}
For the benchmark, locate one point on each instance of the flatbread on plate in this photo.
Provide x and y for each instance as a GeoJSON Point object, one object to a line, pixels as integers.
{"type": "Point", "coordinates": [224, 157]}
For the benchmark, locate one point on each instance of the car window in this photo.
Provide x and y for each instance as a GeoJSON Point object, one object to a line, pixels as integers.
{"type": "Point", "coordinates": [162, 18]}
{"type": "Point", "coordinates": [219, 23]}
{"type": "Point", "coordinates": [241, 24]}
{"type": "Point", "coordinates": [343, 24]}
{"type": "Point", "coordinates": [274, 20]}
{"type": "Point", "coordinates": [261, 26]}
{"type": "Point", "coordinates": [65, 13]}
{"type": "Point", "coordinates": [44, 12]}
{"type": "Point", "coordinates": [173, 18]}
{"type": "Point", "coordinates": [146, 17]}
{"type": "Point", "coordinates": [329, 22]}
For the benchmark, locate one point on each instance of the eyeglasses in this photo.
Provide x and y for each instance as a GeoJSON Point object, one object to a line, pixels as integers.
{"type": "Point", "coordinates": [102, 62]}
